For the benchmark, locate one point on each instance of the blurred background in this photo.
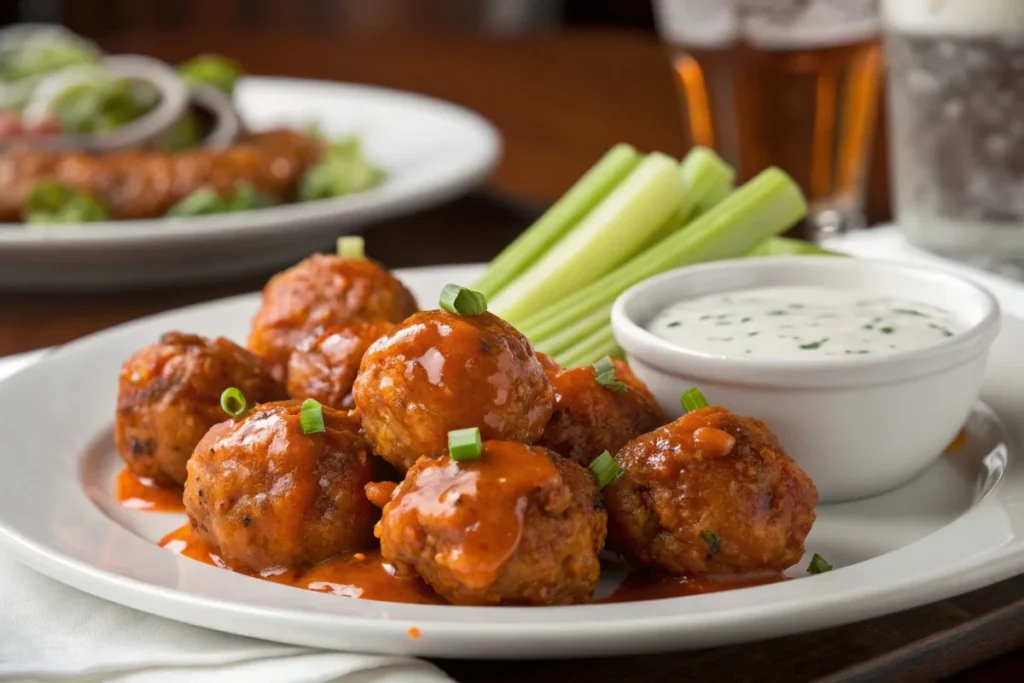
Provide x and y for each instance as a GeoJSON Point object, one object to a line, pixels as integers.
{"type": "Point", "coordinates": [563, 80]}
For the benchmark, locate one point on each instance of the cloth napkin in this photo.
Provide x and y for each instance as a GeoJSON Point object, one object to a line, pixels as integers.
{"type": "Point", "coordinates": [50, 632]}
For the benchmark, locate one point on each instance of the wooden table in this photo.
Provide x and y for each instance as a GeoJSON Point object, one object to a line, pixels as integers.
{"type": "Point", "coordinates": [560, 101]}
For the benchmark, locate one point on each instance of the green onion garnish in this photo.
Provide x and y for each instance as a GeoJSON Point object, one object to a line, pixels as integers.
{"type": "Point", "coordinates": [311, 417]}
{"type": "Point", "coordinates": [604, 372]}
{"type": "Point", "coordinates": [693, 400]}
{"type": "Point", "coordinates": [605, 469]}
{"type": "Point", "coordinates": [233, 402]}
{"type": "Point", "coordinates": [462, 301]}
{"type": "Point", "coordinates": [713, 540]}
{"type": "Point", "coordinates": [351, 246]}
{"type": "Point", "coordinates": [464, 444]}
{"type": "Point", "coordinates": [818, 565]}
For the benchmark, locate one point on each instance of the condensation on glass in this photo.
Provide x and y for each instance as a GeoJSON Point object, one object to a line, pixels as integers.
{"type": "Point", "coordinates": [790, 83]}
{"type": "Point", "coordinates": [956, 92]}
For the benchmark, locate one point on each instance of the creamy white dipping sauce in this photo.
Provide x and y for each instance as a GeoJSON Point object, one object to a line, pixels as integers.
{"type": "Point", "coordinates": [803, 322]}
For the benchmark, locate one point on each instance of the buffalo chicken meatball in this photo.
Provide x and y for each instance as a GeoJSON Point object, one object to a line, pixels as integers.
{"type": "Point", "coordinates": [519, 525]}
{"type": "Point", "coordinates": [325, 365]}
{"type": "Point", "coordinates": [169, 396]}
{"type": "Point", "coordinates": [590, 418]}
{"type": "Point", "coordinates": [269, 496]}
{"type": "Point", "coordinates": [321, 291]}
{"type": "Point", "coordinates": [710, 493]}
{"type": "Point", "coordinates": [439, 371]}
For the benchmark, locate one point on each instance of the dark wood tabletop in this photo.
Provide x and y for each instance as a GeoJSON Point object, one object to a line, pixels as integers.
{"type": "Point", "coordinates": [559, 101]}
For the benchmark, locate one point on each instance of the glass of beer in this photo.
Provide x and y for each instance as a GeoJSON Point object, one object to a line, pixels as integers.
{"type": "Point", "coordinates": [787, 83]}
{"type": "Point", "coordinates": [956, 112]}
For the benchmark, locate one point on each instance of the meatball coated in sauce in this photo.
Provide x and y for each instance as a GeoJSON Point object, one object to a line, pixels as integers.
{"type": "Point", "coordinates": [321, 291]}
{"type": "Point", "coordinates": [325, 365]}
{"type": "Point", "coordinates": [169, 396]}
{"type": "Point", "coordinates": [590, 418]}
{"type": "Point", "coordinates": [520, 525]}
{"type": "Point", "coordinates": [269, 496]}
{"type": "Point", "coordinates": [439, 371]}
{"type": "Point", "coordinates": [710, 493]}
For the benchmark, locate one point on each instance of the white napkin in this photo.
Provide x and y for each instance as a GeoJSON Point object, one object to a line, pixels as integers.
{"type": "Point", "coordinates": [50, 632]}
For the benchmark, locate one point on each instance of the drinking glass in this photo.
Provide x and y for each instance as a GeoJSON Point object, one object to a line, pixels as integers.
{"type": "Point", "coordinates": [956, 112]}
{"type": "Point", "coordinates": [787, 83]}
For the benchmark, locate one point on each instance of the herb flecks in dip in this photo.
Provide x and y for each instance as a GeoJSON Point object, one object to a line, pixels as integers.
{"type": "Point", "coordinates": [803, 322]}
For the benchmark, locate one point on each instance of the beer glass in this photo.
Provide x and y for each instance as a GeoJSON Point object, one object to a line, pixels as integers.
{"type": "Point", "coordinates": [956, 112]}
{"type": "Point", "coordinates": [787, 83]}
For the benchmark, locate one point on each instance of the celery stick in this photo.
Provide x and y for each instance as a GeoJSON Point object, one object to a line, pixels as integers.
{"type": "Point", "coordinates": [609, 235]}
{"type": "Point", "coordinates": [568, 336]}
{"type": "Point", "coordinates": [598, 345]}
{"type": "Point", "coordinates": [706, 181]}
{"type": "Point", "coordinates": [583, 196]}
{"type": "Point", "coordinates": [765, 206]}
{"type": "Point", "coordinates": [787, 246]}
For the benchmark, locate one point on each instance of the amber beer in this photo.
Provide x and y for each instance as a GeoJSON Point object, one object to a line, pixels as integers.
{"type": "Point", "coordinates": [789, 83]}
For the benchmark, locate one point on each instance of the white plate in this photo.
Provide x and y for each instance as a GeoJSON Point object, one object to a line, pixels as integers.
{"type": "Point", "coordinates": [431, 150]}
{"type": "Point", "coordinates": [958, 527]}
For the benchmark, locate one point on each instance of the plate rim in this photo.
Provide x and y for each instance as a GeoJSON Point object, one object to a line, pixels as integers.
{"type": "Point", "coordinates": [557, 631]}
{"type": "Point", "coordinates": [381, 202]}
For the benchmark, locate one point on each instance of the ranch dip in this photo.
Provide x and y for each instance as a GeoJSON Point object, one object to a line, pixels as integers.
{"type": "Point", "coordinates": [803, 322]}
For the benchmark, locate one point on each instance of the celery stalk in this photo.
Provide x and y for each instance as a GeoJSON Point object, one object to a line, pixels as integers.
{"type": "Point", "coordinates": [787, 246]}
{"type": "Point", "coordinates": [591, 349]}
{"type": "Point", "coordinates": [706, 181]}
{"type": "Point", "coordinates": [568, 336]}
{"type": "Point", "coordinates": [581, 198]}
{"type": "Point", "coordinates": [765, 206]}
{"type": "Point", "coordinates": [609, 235]}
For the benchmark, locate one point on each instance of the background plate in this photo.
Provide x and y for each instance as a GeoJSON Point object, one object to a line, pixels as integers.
{"type": "Point", "coordinates": [431, 150]}
{"type": "Point", "coordinates": [958, 527]}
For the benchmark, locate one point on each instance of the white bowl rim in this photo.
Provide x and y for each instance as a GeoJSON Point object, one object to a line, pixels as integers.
{"type": "Point", "coordinates": [811, 372]}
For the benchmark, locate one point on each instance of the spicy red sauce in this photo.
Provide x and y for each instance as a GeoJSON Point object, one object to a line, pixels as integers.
{"type": "Point", "coordinates": [142, 493]}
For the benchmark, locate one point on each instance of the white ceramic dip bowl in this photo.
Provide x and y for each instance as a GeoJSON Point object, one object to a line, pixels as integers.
{"type": "Point", "coordinates": [859, 425]}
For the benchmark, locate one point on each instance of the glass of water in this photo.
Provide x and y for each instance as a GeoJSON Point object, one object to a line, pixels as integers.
{"type": "Point", "coordinates": [956, 108]}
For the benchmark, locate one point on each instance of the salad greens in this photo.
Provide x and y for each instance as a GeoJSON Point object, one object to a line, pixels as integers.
{"type": "Point", "coordinates": [54, 202]}
{"type": "Point", "coordinates": [102, 103]}
{"type": "Point", "coordinates": [35, 55]}
{"type": "Point", "coordinates": [342, 170]}
{"type": "Point", "coordinates": [206, 201]}
{"type": "Point", "coordinates": [220, 72]}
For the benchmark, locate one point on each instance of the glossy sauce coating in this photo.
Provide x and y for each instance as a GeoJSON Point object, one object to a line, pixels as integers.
{"type": "Point", "coordinates": [321, 291]}
{"type": "Point", "coordinates": [646, 584]}
{"type": "Point", "coordinates": [271, 497]}
{"type": "Point", "coordinates": [142, 493]}
{"type": "Point", "coordinates": [590, 418]}
{"type": "Point", "coordinates": [520, 525]}
{"type": "Point", "coordinates": [145, 183]}
{"type": "Point", "coordinates": [710, 492]}
{"type": "Point", "coordinates": [325, 365]}
{"type": "Point", "coordinates": [364, 575]}
{"type": "Point", "coordinates": [439, 371]}
{"type": "Point", "coordinates": [169, 396]}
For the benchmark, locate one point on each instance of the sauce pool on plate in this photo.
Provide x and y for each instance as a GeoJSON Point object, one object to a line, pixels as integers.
{"type": "Point", "coordinates": [803, 322]}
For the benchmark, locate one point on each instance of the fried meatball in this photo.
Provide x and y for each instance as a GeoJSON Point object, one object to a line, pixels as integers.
{"type": "Point", "coordinates": [321, 291]}
{"type": "Point", "coordinates": [590, 418]}
{"type": "Point", "coordinates": [439, 371]}
{"type": "Point", "coordinates": [325, 365]}
{"type": "Point", "coordinates": [267, 495]}
{"type": "Point", "coordinates": [169, 395]}
{"type": "Point", "coordinates": [520, 525]}
{"type": "Point", "coordinates": [710, 493]}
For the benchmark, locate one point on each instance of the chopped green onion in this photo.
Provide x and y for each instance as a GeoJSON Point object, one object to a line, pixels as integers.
{"type": "Point", "coordinates": [713, 540]}
{"type": "Point", "coordinates": [311, 417]}
{"type": "Point", "coordinates": [233, 402]}
{"type": "Point", "coordinates": [462, 301]}
{"type": "Point", "coordinates": [693, 400]}
{"type": "Point", "coordinates": [604, 372]}
{"type": "Point", "coordinates": [464, 444]}
{"type": "Point", "coordinates": [605, 469]}
{"type": "Point", "coordinates": [351, 246]}
{"type": "Point", "coordinates": [818, 565]}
